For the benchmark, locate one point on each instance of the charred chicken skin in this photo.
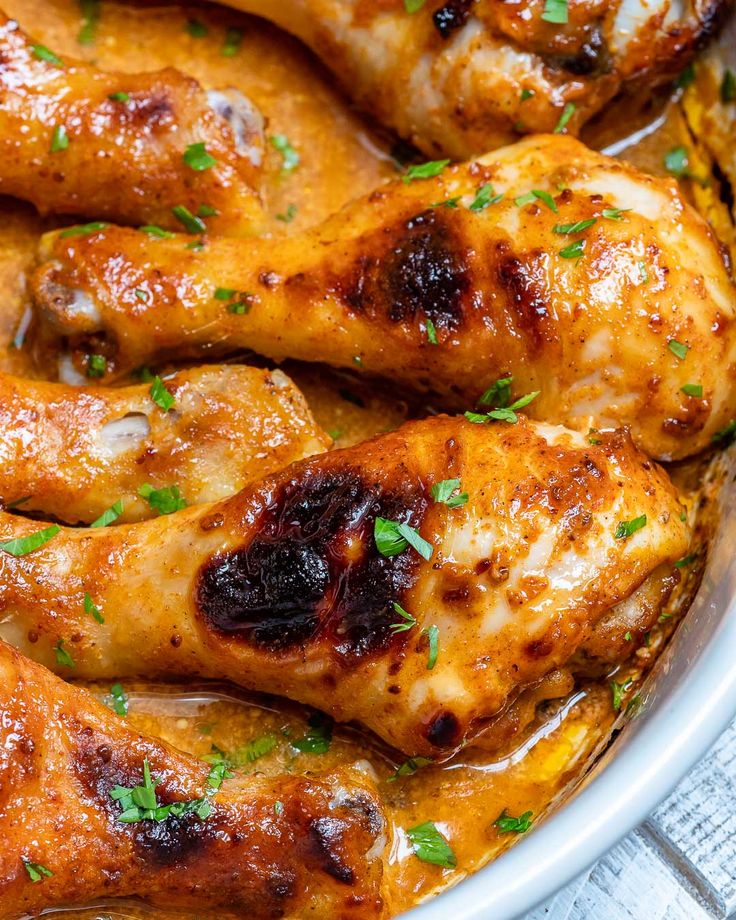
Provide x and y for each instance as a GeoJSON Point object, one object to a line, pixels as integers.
{"type": "Point", "coordinates": [126, 147]}
{"type": "Point", "coordinates": [461, 77]}
{"type": "Point", "coordinates": [417, 583]}
{"type": "Point", "coordinates": [575, 273]}
{"type": "Point", "coordinates": [255, 847]}
{"type": "Point", "coordinates": [77, 453]}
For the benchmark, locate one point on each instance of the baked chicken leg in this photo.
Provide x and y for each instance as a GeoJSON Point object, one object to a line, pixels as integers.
{"type": "Point", "coordinates": [76, 452]}
{"type": "Point", "coordinates": [575, 273]}
{"type": "Point", "coordinates": [464, 76]}
{"type": "Point", "coordinates": [257, 847]}
{"type": "Point", "coordinates": [417, 583]}
{"type": "Point", "coordinates": [128, 147]}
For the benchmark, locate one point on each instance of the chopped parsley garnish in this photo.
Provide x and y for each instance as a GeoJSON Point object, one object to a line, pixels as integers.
{"type": "Point", "coordinates": [425, 170]}
{"type": "Point", "coordinates": [288, 215]}
{"type": "Point", "coordinates": [555, 11]}
{"type": "Point", "coordinates": [614, 213]}
{"type": "Point", "coordinates": [90, 10]}
{"type": "Point", "coordinates": [726, 435]}
{"type": "Point", "coordinates": [259, 747]}
{"type": "Point", "coordinates": [45, 54]}
{"type": "Point", "coordinates": [239, 307]}
{"type": "Point", "coordinates": [431, 846]}
{"type": "Point", "coordinates": [413, 6]}
{"type": "Point", "coordinates": [447, 203]}
{"type": "Point", "coordinates": [16, 503]}
{"type": "Point", "coordinates": [217, 774]}
{"type": "Point", "coordinates": [197, 29]}
{"type": "Point", "coordinates": [165, 501]}
{"type": "Point", "coordinates": [119, 97]}
{"type": "Point", "coordinates": [507, 824]}
{"type": "Point", "coordinates": [141, 295]}
{"type": "Point", "coordinates": [577, 227]}
{"type": "Point", "coordinates": [224, 293]}
{"type": "Point", "coordinates": [678, 349]}
{"type": "Point", "coordinates": [498, 394]}
{"type": "Point", "coordinates": [233, 38]}
{"type": "Point", "coordinates": [676, 162]}
{"type": "Point", "coordinates": [431, 332]}
{"type": "Point", "coordinates": [96, 365]}
{"type": "Point", "coordinates": [59, 139]}
{"type": "Point", "coordinates": [62, 655]}
{"type": "Point", "coordinates": [433, 637]}
{"type": "Point", "coordinates": [197, 158]}
{"type": "Point", "coordinates": [643, 273]}
{"type": "Point", "coordinates": [118, 700]}
{"type": "Point", "coordinates": [107, 517]}
{"type": "Point", "coordinates": [618, 691]}
{"type": "Point", "coordinates": [408, 621]}
{"type": "Point", "coordinates": [686, 561]}
{"type": "Point", "coordinates": [318, 737]}
{"type": "Point", "coordinates": [289, 155]}
{"type": "Point", "coordinates": [278, 808]}
{"type": "Point", "coordinates": [536, 194]}
{"type": "Point", "coordinates": [190, 222]}
{"type": "Point", "coordinates": [36, 872]}
{"type": "Point", "coordinates": [443, 493]}
{"type": "Point", "coordinates": [21, 546]}
{"type": "Point", "coordinates": [484, 197]}
{"type": "Point", "coordinates": [685, 77]}
{"type": "Point", "coordinates": [83, 229]}
{"type": "Point", "coordinates": [92, 609]}
{"type": "Point", "coordinates": [152, 230]}
{"type": "Point", "coordinates": [160, 395]}
{"type": "Point", "coordinates": [728, 86]}
{"type": "Point", "coordinates": [393, 538]}
{"type": "Point", "coordinates": [409, 767]}
{"type": "Point", "coordinates": [139, 803]}
{"type": "Point", "coordinates": [567, 114]}
{"type": "Point", "coordinates": [503, 414]}
{"type": "Point", "coordinates": [574, 250]}
{"type": "Point", "coordinates": [626, 528]}
{"type": "Point", "coordinates": [693, 389]}
{"type": "Point", "coordinates": [627, 636]}
{"type": "Point", "coordinates": [527, 94]}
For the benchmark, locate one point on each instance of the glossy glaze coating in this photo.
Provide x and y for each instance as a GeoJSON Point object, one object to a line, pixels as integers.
{"type": "Point", "coordinates": [593, 331]}
{"type": "Point", "coordinates": [73, 452]}
{"type": "Point", "coordinates": [282, 588]}
{"type": "Point", "coordinates": [460, 77]}
{"type": "Point", "coordinates": [122, 159]}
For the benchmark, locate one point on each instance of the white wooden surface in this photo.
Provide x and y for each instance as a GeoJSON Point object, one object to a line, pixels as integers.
{"type": "Point", "coordinates": [679, 865]}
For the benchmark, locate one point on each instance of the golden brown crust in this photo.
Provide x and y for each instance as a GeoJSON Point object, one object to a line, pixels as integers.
{"type": "Point", "coordinates": [122, 158]}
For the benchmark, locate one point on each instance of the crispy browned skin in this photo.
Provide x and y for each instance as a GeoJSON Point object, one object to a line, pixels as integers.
{"type": "Point", "coordinates": [283, 589]}
{"type": "Point", "coordinates": [286, 845]}
{"type": "Point", "coordinates": [592, 333]}
{"type": "Point", "coordinates": [124, 158]}
{"type": "Point", "coordinates": [72, 452]}
{"type": "Point", "coordinates": [461, 77]}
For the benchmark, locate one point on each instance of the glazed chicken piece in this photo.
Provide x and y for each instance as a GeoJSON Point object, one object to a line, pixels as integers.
{"type": "Point", "coordinates": [126, 147]}
{"type": "Point", "coordinates": [461, 77]}
{"type": "Point", "coordinates": [575, 273]}
{"type": "Point", "coordinates": [76, 452]}
{"type": "Point", "coordinates": [416, 583]}
{"type": "Point", "coordinates": [257, 847]}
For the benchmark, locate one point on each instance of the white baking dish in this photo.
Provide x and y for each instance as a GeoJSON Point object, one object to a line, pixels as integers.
{"type": "Point", "coordinates": [689, 699]}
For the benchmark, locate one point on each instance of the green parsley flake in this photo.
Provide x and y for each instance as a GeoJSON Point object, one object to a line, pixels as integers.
{"type": "Point", "coordinates": [726, 435]}
{"type": "Point", "coordinates": [447, 203]}
{"type": "Point", "coordinates": [408, 621]}
{"type": "Point", "coordinates": [233, 39]}
{"type": "Point", "coordinates": [159, 232]}
{"type": "Point", "coordinates": [165, 501]}
{"type": "Point", "coordinates": [206, 210]}
{"type": "Point", "coordinates": [431, 846]}
{"type": "Point", "coordinates": [507, 824]}
{"type": "Point", "coordinates": [139, 803]}
{"type": "Point", "coordinates": [289, 155]}
{"type": "Point", "coordinates": [567, 114]}
{"type": "Point", "coordinates": [36, 872]}
{"type": "Point", "coordinates": [618, 691]}
{"type": "Point", "coordinates": [686, 77]}
{"type": "Point", "coordinates": [160, 395]}
{"type": "Point", "coordinates": [45, 54]}
{"type": "Point", "coordinates": [393, 538]}
{"type": "Point", "coordinates": [574, 250]}
{"type": "Point", "coordinates": [536, 194]}
{"type": "Point", "coordinates": [425, 170]}
{"type": "Point", "coordinates": [555, 11]}
{"type": "Point", "coordinates": [83, 229]}
{"type": "Point", "coordinates": [190, 222]}
{"type": "Point", "coordinates": [92, 609]}
{"type": "Point", "coordinates": [498, 394]}
{"type": "Point", "coordinates": [119, 97]}
{"type": "Point", "coordinates": [62, 655]}
{"type": "Point", "coordinates": [433, 637]}
{"type": "Point", "coordinates": [678, 349]}
{"type": "Point", "coordinates": [676, 162]}
{"type": "Point", "coordinates": [483, 198]}
{"type": "Point", "coordinates": [527, 94]}
{"type": "Point", "coordinates": [224, 293]}
{"type": "Point", "coordinates": [287, 216]}
{"type": "Point", "coordinates": [197, 158]}
{"type": "Point", "coordinates": [197, 29]}
{"type": "Point", "coordinates": [643, 273]}
{"type": "Point", "coordinates": [118, 700]}
{"type": "Point", "coordinates": [626, 528]}
{"type": "Point", "coordinates": [21, 546]}
{"type": "Point", "coordinates": [90, 10]}
{"type": "Point", "coordinates": [409, 767]}
{"type": "Point", "coordinates": [413, 6]}
{"type": "Point", "coordinates": [318, 737]}
{"type": "Point", "coordinates": [728, 86]}
{"type": "Point", "coordinates": [96, 365]}
{"type": "Point", "coordinates": [693, 389]}
{"type": "Point", "coordinates": [503, 414]}
{"type": "Point", "coordinates": [278, 808]}
{"type": "Point", "coordinates": [577, 227]}
{"type": "Point", "coordinates": [686, 561]}
{"type": "Point", "coordinates": [442, 493]}
{"type": "Point", "coordinates": [431, 332]}
{"type": "Point", "coordinates": [216, 776]}
{"type": "Point", "coordinates": [59, 139]}
{"type": "Point", "coordinates": [107, 517]}
{"type": "Point", "coordinates": [614, 213]}
{"type": "Point", "coordinates": [259, 747]}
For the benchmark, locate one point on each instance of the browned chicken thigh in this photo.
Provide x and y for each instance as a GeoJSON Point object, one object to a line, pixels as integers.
{"type": "Point", "coordinates": [461, 77]}
{"type": "Point", "coordinates": [90, 809]}
{"type": "Point", "coordinates": [583, 278]}
{"type": "Point", "coordinates": [146, 149]}
{"type": "Point", "coordinates": [417, 583]}
{"type": "Point", "coordinates": [80, 453]}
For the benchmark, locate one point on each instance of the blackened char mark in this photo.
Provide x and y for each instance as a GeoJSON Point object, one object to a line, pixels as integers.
{"type": "Point", "coordinates": [313, 569]}
{"type": "Point", "coordinates": [451, 16]}
{"type": "Point", "coordinates": [524, 295]}
{"type": "Point", "coordinates": [591, 59]}
{"type": "Point", "coordinates": [425, 272]}
{"type": "Point", "coordinates": [444, 731]}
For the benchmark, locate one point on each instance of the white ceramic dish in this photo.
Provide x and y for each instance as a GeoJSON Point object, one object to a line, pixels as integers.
{"type": "Point", "coordinates": [689, 699]}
